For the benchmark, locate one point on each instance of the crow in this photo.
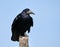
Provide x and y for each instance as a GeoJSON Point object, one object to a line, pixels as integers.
{"type": "Point", "coordinates": [22, 23]}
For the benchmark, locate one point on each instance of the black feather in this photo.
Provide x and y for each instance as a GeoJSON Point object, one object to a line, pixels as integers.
{"type": "Point", "coordinates": [20, 25]}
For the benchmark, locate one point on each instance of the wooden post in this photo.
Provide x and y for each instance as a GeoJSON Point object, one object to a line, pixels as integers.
{"type": "Point", "coordinates": [23, 41]}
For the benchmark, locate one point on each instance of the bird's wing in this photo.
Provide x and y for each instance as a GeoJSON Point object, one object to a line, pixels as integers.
{"type": "Point", "coordinates": [31, 21]}
{"type": "Point", "coordinates": [31, 24]}
{"type": "Point", "coordinates": [16, 20]}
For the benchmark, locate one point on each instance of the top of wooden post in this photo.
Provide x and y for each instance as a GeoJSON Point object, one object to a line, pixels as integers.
{"type": "Point", "coordinates": [23, 41]}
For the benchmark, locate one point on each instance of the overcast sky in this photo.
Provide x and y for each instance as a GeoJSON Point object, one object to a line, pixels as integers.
{"type": "Point", "coordinates": [46, 29]}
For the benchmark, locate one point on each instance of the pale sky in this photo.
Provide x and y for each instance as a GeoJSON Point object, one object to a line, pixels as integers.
{"type": "Point", "coordinates": [46, 29]}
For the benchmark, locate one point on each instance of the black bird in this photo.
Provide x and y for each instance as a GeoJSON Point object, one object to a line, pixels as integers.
{"type": "Point", "coordinates": [21, 24]}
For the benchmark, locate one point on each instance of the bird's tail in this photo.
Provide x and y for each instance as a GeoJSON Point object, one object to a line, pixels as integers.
{"type": "Point", "coordinates": [15, 37]}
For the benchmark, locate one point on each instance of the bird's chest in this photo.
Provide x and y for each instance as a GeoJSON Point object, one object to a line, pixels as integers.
{"type": "Point", "coordinates": [26, 21]}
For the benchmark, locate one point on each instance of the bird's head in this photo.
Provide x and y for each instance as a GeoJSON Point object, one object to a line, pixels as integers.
{"type": "Point", "coordinates": [27, 11]}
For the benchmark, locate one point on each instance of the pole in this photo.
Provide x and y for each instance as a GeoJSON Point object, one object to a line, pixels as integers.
{"type": "Point", "coordinates": [23, 41]}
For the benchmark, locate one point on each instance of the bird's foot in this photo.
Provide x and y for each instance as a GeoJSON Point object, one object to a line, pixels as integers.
{"type": "Point", "coordinates": [26, 35]}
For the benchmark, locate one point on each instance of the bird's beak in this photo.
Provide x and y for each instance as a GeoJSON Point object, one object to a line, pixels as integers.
{"type": "Point", "coordinates": [30, 12]}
